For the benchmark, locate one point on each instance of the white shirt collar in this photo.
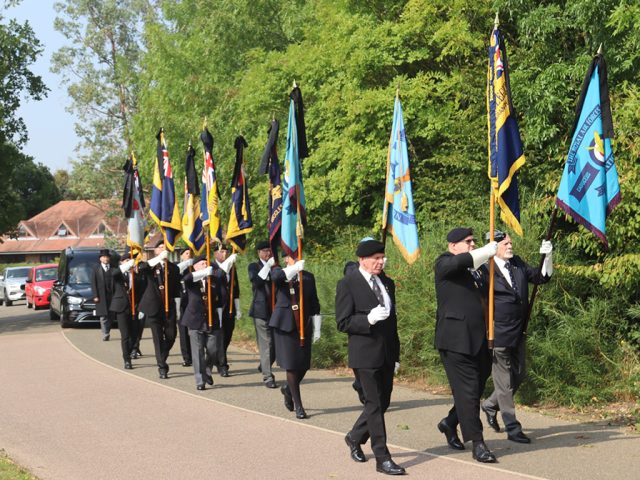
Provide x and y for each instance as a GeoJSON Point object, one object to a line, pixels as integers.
{"type": "Point", "coordinates": [367, 276]}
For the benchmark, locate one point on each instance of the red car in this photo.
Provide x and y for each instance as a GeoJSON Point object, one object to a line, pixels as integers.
{"type": "Point", "coordinates": [38, 285]}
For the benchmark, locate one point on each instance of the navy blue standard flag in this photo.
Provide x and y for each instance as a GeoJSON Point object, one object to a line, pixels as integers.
{"type": "Point", "coordinates": [589, 188]}
{"type": "Point", "coordinates": [164, 205]}
{"type": "Point", "coordinates": [240, 222]}
{"type": "Point", "coordinates": [270, 165]}
{"type": "Point", "coordinates": [506, 154]}
{"type": "Point", "coordinates": [191, 222]}
{"type": "Point", "coordinates": [210, 199]}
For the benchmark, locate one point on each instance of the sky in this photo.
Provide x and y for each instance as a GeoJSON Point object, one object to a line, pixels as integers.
{"type": "Point", "coordinates": [52, 138]}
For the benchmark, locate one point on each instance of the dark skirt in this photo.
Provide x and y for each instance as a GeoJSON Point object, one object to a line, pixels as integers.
{"type": "Point", "coordinates": [289, 354]}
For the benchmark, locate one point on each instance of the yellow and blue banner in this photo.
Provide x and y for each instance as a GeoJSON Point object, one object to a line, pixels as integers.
{"type": "Point", "coordinates": [294, 214]}
{"type": "Point", "coordinates": [401, 220]}
{"type": "Point", "coordinates": [240, 221]}
{"type": "Point", "coordinates": [193, 232]}
{"type": "Point", "coordinates": [589, 188]}
{"type": "Point", "coordinates": [210, 198]}
{"type": "Point", "coordinates": [164, 205]}
{"type": "Point", "coordinates": [506, 154]}
{"type": "Point", "coordinates": [270, 164]}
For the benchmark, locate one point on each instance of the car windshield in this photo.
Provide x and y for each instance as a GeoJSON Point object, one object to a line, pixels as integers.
{"type": "Point", "coordinates": [18, 272]}
{"type": "Point", "coordinates": [80, 273]}
{"type": "Point", "coordinates": [49, 273]}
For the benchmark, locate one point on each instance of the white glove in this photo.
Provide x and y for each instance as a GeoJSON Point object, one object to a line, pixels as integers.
{"type": "Point", "coordinates": [396, 368]}
{"type": "Point", "coordinates": [482, 254]}
{"type": "Point", "coordinates": [219, 310]}
{"type": "Point", "coordinates": [547, 250]}
{"type": "Point", "coordinates": [126, 266]}
{"type": "Point", "coordinates": [236, 302]}
{"type": "Point", "coordinates": [200, 274]}
{"type": "Point", "coordinates": [292, 270]}
{"type": "Point", "coordinates": [184, 265]}
{"type": "Point", "coordinates": [156, 260]}
{"type": "Point", "coordinates": [140, 315]}
{"type": "Point", "coordinates": [228, 263]}
{"type": "Point", "coordinates": [266, 269]}
{"type": "Point", "coordinates": [378, 314]}
{"type": "Point", "coordinates": [317, 326]}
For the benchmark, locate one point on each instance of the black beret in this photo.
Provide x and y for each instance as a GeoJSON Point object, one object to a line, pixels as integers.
{"type": "Point", "coordinates": [158, 243]}
{"type": "Point", "coordinates": [105, 252]}
{"type": "Point", "coordinates": [369, 247]}
{"type": "Point", "coordinates": [498, 235]}
{"type": "Point", "coordinates": [262, 245]}
{"type": "Point", "coordinates": [458, 234]}
{"type": "Point", "coordinates": [199, 258]}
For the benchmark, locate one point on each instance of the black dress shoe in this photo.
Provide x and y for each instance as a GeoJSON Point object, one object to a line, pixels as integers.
{"type": "Point", "coordinates": [358, 389]}
{"type": "Point", "coordinates": [519, 438]}
{"type": "Point", "coordinates": [186, 364]}
{"type": "Point", "coordinates": [208, 379]}
{"type": "Point", "coordinates": [355, 449]}
{"type": "Point", "coordinates": [300, 413]}
{"type": "Point", "coordinates": [164, 375]}
{"type": "Point", "coordinates": [260, 368]}
{"type": "Point", "coordinates": [389, 467]}
{"type": "Point", "coordinates": [271, 384]}
{"type": "Point", "coordinates": [492, 419]}
{"type": "Point", "coordinates": [200, 387]}
{"type": "Point", "coordinates": [288, 399]}
{"type": "Point", "coordinates": [451, 434]}
{"type": "Point", "coordinates": [482, 454]}
{"type": "Point", "coordinates": [224, 372]}
{"type": "Point", "coordinates": [127, 365]}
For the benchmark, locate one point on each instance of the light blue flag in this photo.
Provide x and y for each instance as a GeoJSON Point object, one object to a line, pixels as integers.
{"type": "Point", "coordinates": [401, 221]}
{"type": "Point", "coordinates": [294, 215]}
{"type": "Point", "coordinates": [589, 189]}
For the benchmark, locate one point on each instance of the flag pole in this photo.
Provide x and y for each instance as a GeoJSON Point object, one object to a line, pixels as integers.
{"type": "Point", "coordinates": [492, 222]}
{"type": "Point", "coordinates": [231, 282]}
{"type": "Point", "coordinates": [209, 308]}
{"type": "Point", "coordinates": [166, 285]}
{"type": "Point", "coordinates": [301, 295]}
{"type": "Point", "coordinates": [133, 289]}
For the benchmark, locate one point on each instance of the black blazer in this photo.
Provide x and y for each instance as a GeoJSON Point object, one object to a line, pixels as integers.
{"type": "Point", "coordinates": [461, 299]}
{"type": "Point", "coordinates": [370, 346]}
{"type": "Point", "coordinates": [152, 300]}
{"type": "Point", "coordinates": [511, 304]}
{"type": "Point", "coordinates": [283, 317]}
{"type": "Point", "coordinates": [225, 290]}
{"type": "Point", "coordinates": [261, 302]}
{"type": "Point", "coordinates": [102, 287]}
{"type": "Point", "coordinates": [196, 313]}
{"type": "Point", "coordinates": [120, 301]}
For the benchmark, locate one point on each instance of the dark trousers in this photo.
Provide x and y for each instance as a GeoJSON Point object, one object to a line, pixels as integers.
{"type": "Point", "coordinates": [228, 325]}
{"type": "Point", "coordinates": [125, 325]}
{"type": "Point", "coordinates": [185, 344]}
{"type": "Point", "coordinates": [467, 376]}
{"type": "Point", "coordinates": [377, 384]}
{"type": "Point", "coordinates": [138, 330]}
{"type": "Point", "coordinates": [163, 331]}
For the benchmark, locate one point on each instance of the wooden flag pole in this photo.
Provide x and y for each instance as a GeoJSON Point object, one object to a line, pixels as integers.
{"type": "Point", "coordinates": [231, 283]}
{"type": "Point", "coordinates": [492, 221]}
{"type": "Point", "coordinates": [301, 294]}
{"type": "Point", "coordinates": [166, 285]}
{"type": "Point", "coordinates": [209, 307]}
{"type": "Point", "coordinates": [133, 291]}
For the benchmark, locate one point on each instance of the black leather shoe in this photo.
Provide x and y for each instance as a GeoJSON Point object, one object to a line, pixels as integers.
{"type": "Point", "coordinates": [482, 454]}
{"type": "Point", "coordinates": [224, 371]}
{"type": "Point", "coordinates": [164, 375]}
{"type": "Point", "coordinates": [200, 387]}
{"type": "Point", "coordinates": [300, 413]}
{"type": "Point", "coordinates": [260, 368]}
{"type": "Point", "coordinates": [127, 365]}
{"type": "Point", "coordinates": [357, 455]}
{"type": "Point", "coordinates": [389, 467]}
{"type": "Point", "coordinates": [288, 399]}
{"type": "Point", "coordinates": [451, 434]}
{"type": "Point", "coordinates": [271, 384]}
{"type": "Point", "coordinates": [492, 419]}
{"type": "Point", "coordinates": [358, 389]}
{"type": "Point", "coordinates": [186, 364]}
{"type": "Point", "coordinates": [519, 438]}
{"type": "Point", "coordinates": [208, 379]}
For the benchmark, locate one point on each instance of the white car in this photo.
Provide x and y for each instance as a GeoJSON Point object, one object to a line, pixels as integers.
{"type": "Point", "coordinates": [12, 284]}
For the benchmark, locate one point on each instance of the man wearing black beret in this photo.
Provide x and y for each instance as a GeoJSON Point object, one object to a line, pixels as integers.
{"type": "Point", "coordinates": [461, 336]}
{"type": "Point", "coordinates": [366, 311]}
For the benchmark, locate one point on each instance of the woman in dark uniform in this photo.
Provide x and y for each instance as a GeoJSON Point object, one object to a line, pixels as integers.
{"type": "Point", "coordinates": [285, 321]}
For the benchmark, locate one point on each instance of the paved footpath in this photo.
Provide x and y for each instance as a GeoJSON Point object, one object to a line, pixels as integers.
{"type": "Point", "coordinates": [69, 411]}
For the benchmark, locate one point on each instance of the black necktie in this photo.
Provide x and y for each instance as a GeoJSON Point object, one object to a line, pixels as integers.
{"type": "Point", "coordinates": [376, 290]}
{"type": "Point", "coordinates": [509, 268]}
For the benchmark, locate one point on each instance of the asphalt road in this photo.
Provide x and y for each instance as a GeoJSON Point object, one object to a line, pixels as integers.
{"type": "Point", "coordinates": [69, 411]}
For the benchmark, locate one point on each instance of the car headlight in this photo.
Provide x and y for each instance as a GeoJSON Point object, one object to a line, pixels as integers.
{"type": "Point", "coordinates": [74, 300]}
{"type": "Point", "coordinates": [39, 290]}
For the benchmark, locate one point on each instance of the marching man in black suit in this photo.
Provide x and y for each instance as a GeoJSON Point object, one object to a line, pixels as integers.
{"type": "Point", "coordinates": [461, 336]}
{"type": "Point", "coordinates": [102, 291]}
{"type": "Point", "coordinates": [185, 266]}
{"type": "Point", "coordinates": [366, 310]}
{"type": "Point", "coordinates": [206, 341]}
{"type": "Point", "coordinates": [511, 295]}
{"type": "Point", "coordinates": [230, 309]}
{"type": "Point", "coordinates": [260, 311]}
{"type": "Point", "coordinates": [152, 304]}
{"type": "Point", "coordinates": [121, 307]}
